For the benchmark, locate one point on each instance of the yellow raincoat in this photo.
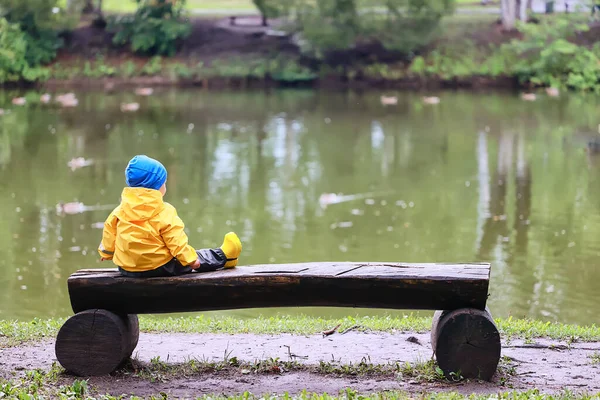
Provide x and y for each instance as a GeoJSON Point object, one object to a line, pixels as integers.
{"type": "Point", "coordinates": [144, 233]}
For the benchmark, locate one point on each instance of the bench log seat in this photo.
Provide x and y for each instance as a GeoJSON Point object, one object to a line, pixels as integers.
{"type": "Point", "coordinates": [104, 331]}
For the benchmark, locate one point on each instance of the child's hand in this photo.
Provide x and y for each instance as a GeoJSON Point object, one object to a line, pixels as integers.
{"type": "Point", "coordinates": [195, 264]}
{"type": "Point", "coordinates": [104, 259]}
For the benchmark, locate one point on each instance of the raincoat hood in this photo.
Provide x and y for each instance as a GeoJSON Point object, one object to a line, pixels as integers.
{"type": "Point", "coordinates": [140, 204]}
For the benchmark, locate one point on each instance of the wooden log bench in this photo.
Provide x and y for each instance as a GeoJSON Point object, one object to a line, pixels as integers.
{"type": "Point", "coordinates": [104, 331]}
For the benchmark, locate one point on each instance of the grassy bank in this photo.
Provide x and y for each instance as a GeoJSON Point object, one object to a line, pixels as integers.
{"type": "Point", "coordinates": [52, 384]}
{"type": "Point", "coordinates": [15, 332]}
{"type": "Point", "coordinates": [471, 51]}
{"type": "Point", "coordinates": [214, 6]}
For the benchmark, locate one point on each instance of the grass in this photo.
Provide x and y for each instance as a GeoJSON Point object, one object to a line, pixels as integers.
{"type": "Point", "coordinates": [222, 6]}
{"type": "Point", "coordinates": [160, 371]}
{"type": "Point", "coordinates": [38, 384]}
{"type": "Point", "coordinates": [15, 332]}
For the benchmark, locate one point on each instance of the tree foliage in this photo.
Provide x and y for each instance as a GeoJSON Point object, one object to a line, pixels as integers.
{"type": "Point", "coordinates": [398, 25]}
{"type": "Point", "coordinates": [268, 9]}
{"type": "Point", "coordinates": [14, 65]}
{"type": "Point", "coordinates": [155, 29]}
{"type": "Point", "coordinates": [545, 56]}
{"type": "Point", "coordinates": [40, 23]}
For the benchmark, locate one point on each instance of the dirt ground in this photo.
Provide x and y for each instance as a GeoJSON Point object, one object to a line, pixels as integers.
{"type": "Point", "coordinates": [550, 366]}
{"type": "Point", "coordinates": [209, 39]}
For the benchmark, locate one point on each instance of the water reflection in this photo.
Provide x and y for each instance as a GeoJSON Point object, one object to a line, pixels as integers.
{"type": "Point", "coordinates": [476, 177]}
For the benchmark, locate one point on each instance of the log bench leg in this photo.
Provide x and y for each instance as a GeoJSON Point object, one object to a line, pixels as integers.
{"type": "Point", "coordinates": [466, 342]}
{"type": "Point", "coordinates": [95, 342]}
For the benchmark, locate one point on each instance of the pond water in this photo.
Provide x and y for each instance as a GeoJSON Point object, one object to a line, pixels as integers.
{"type": "Point", "coordinates": [478, 177]}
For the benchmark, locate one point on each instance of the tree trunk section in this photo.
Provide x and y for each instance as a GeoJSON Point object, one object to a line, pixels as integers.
{"type": "Point", "coordinates": [95, 342]}
{"type": "Point", "coordinates": [508, 8]}
{"type": "Point", "coordinates": [523, 10]}
{"type": "Point", "coordinates": [133, 329]}
{"type": "Point", "coordinates": [344, 284]}
{"type": "Point", "coordinates": [466, 342]}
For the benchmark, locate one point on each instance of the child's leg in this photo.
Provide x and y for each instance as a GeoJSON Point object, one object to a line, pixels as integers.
{"type": "Point", "coordinates": [221, 257]}
{"type": "Point", "coordinates": [172, 268]}
{"type": "Point", "coordinates": [211, 259]}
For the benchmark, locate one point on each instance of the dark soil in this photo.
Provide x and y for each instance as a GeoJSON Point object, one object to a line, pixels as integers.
{"type": "Point", "coordinates": [209, 39]}
{"type": "Point", "coordinates": [548, 365]}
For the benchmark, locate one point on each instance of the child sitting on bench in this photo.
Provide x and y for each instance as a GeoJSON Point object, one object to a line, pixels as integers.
{"type": "Point", "coordinates": [144, 236]}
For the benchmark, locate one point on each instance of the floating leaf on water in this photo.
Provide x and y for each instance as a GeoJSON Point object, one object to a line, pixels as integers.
{"type": "Point", "coordinates": [130, 107]}
{"type": "Point", "coordinates": [70, 208]}
{"type": "Point", "coordinates": [23, 287]}
{"type": "Point", "coordinates": [370, 202]}
{"type": "Point", "coordinates": [357, 211]}
{"type": "Point", "coordinates": [98, 225]}
{"type": "Point", "coordinates": [388, 100]}
{"type": "Point", "coordinates": [552, 92]}
{"type": "Point", "coordinates": [75, 248]}
{"type": "Point", "coordinates": [144, 91]}
{"type": "Point", "coordinates": [67, 100]}
{"type": "Point", "coordinates": [345, 224]}
{"type": "Point", "coordinates": [79, 162]}
{"type": "Point", "coordinates": [528, 96]}
{"type": "Point", "coordinates": [431, 100]}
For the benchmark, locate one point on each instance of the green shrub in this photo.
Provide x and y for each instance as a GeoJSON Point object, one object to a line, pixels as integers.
{"type": "Point", "coordinates": [269, 8]}
{"type": "Point", "coordinates": [154, 29]}
{"type": "Point", "coordinates": [14, 65]}
{"type": "Point", "coordinates": [289, 70]}
{"type": "Point", "coordinates": [397, 25]}
{"type": "Point", "coordinates": [128, 69]}
{"type": "Point", "coordinates": [153, 67]}
{"type": "Point", "coordinates": [180, 71]}
{"type": "Point", "coordinates": [40, 24]}
{"type": "Point", "coordinates": [545, 56]}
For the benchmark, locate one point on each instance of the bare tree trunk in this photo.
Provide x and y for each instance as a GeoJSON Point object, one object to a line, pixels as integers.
{"type": "Point", "coordinates": [88, 7]}
{"type": "Point", "coordinates": [508, 8]}
{"type": "Point", "coordinates": [523, 10]}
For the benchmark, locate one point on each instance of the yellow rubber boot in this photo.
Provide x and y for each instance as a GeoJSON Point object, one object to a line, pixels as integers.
{"type": "Point", "coordinates": [232, 247]}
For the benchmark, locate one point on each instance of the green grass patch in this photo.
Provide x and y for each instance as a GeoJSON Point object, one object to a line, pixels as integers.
{"type": "Point", "coordinates": [42, 385]}
{"type": "Point", "coordinates": [209, 6]}
{"type": "Point", "coordinates": [15, 332]}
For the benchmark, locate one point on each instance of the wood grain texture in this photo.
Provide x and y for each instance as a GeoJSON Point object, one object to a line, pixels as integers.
{"type": "Point", "coordinates": [95, 342]}
{"type": "Point", "coordinates": [466, 342]}
{"type": "Point", "coordinates": [342, 284]}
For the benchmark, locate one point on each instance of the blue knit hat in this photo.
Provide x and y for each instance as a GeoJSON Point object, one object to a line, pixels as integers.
{"type": "Point", "coordinates": [146, 172]}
